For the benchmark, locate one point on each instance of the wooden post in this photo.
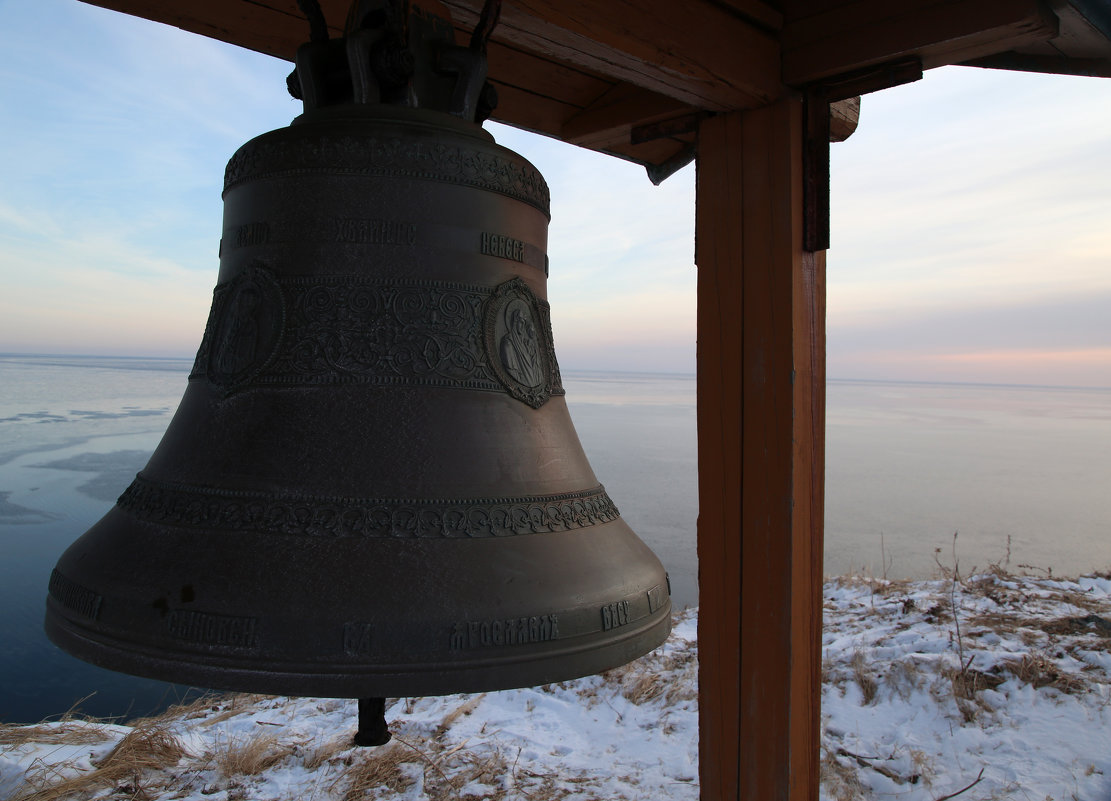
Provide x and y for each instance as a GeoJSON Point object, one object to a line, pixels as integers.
{"type": "Point", "coordinates": [761, 424]}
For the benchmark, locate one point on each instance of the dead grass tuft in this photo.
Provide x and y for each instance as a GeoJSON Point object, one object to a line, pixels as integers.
{"type": "Point", "coordinates": [640, 688]}
{"type": "Point", "coordinates": [1082, 625]}
{"type": "Point", "coordinates": [841, 779]}
{"type": "Point", "coordinates": [904, 677]}
{"type": "Point", "coordinates": [862, 673]}
{"type": "Point", "coordinates": [64, 732]}
{"type": "Point", "coordinates": [1037, 670]}
{"type": "Point", "coordinates": [467, 707]}
{"type": "Point", "coordinates": [232, 704]}
{"type": "Point", "coordinates": [147, 750]}
{"type": "Point", "coordinates": [197, 708]}
{"type": "Point", "coordinates": [248, 754]}
{"type": "Point", "coordinates": [322, 752]}
{"type": "Point", "coordinates": [968, 682]}
{"type": "Point", "coordinates": [384, 767]}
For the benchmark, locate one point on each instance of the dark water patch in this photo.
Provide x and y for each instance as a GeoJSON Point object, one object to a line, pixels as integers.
{"type": "Point", "coordinates": [114, 471]}
{"type": "Point", "coordinates": [93, 462]}
{"type": "Point", "coordinates": [37, 417]}
{"type": "Point", "coordinates": [108, 486]}
{"type": "Point", "coordinates": [84, 414]}
{"type": "Point", "coordinates": [127, 412]}
{"type": "Point", "coordinates": [13, 513]}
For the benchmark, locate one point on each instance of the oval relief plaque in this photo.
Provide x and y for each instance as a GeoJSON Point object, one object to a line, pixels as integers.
{"type": "Point", "coordinates": [518, 343]}
{"type": "Point", "coordinates": [248, 330]}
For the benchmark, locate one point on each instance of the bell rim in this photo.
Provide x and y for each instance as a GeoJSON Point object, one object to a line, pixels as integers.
{"type": "Point", "coordinates": [494, 671]}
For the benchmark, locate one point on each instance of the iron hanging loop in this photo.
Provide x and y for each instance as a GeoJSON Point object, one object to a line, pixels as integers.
{"type": "Point", "coordinates": [318, 26]}
{"type": "Point", "coordinates": [318, 32]}
{"type": "Point", "coordinates": [487, 21]}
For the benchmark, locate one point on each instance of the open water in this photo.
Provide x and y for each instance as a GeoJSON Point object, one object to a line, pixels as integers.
{"type": "Point", "coordinates": [1022, 473]}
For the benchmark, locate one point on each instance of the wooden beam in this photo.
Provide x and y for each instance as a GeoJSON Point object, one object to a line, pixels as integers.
{"type": "Point", "coordinates": [844, 116]}
{"type": "Point", "coordinates": [761, 356]}
{"type": "Point", "coordinates": [854, 35]}
{"type": "Point", "coordinates": [758, 12]}
{"type": "Point", "coordinates": [610, 118]}
{"type": "Point", "coordinates": [273, 27]}
{"type": "Point", "coordinates": [512, 67]}
{"type": "Point", "coordinates": [700, 54]}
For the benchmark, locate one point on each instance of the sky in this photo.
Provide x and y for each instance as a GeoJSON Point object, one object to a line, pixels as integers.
{"type": "Point", "coordinates": [971, 213]}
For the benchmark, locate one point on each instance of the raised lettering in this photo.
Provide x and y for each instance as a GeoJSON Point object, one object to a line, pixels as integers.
{"type": "Point", "coordinates": [509, 631]}
{"type": "Point", "coordinates": [374, 232]}
{"type": "Point", "coordinates": [504, 247]}
{"type": "Point", "coordinates": [656, 598]}
{"type": "Point", "coordinates": [211, 629]}
{"type": "Point", "coordinates": [74, 597]}
{"type": "Point", "coordinates": [255, 233]}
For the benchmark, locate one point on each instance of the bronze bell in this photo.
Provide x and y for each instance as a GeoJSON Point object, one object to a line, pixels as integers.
{"type": "Point", "coordinates": [372, 486]}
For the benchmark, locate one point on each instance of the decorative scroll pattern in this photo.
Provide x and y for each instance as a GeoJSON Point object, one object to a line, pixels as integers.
{"type": "Point", "coordinates": [347, 329]}
{"type": "Point", "coordinates": [230, 510]}
{"type": "Point", "coordinates": [390, 156]}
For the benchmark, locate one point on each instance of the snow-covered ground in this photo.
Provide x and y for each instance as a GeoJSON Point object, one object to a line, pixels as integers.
{"type": "Point", "coordinates": [994, 687]}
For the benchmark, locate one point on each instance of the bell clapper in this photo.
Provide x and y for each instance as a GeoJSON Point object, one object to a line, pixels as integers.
{"type": "Point", "coordinates": [372, 722]}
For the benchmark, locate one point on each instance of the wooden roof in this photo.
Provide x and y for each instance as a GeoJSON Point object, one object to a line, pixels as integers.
{"type": "Point", "coordinates": [632, 77]}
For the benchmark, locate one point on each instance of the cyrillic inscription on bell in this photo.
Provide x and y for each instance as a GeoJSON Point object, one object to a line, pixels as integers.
{"type": "Point", "coordinates": [372, 486]}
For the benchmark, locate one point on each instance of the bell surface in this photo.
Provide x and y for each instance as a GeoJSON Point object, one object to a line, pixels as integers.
{"type": "Point", "coordinates": [372, 486]}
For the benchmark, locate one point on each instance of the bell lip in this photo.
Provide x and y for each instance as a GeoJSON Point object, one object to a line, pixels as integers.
{"type": "Point", "coordinates": [499, 671]}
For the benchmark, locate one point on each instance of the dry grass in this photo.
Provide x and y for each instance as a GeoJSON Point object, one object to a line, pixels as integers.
{"type": "Point", "coordinates": [465, 708]}
{"type": "Point", "coordinates": [248, 754]}
{"type": "Point", "coordinates": [316, 755]}
{"type": "Point", "coordinates": [381, 767]}
{"type": "Point", "coordinates": [862, 674]}
{"type": "Point", "coordinates": [131, 768]}
{"type": "Point", "coordinates": [840, 779]}
{"type": "Point", "coordinates": [1091, 625]}
{"type": "Point", "coordinates": [70, 732]}
{"type": "Point", "coordinates": [1037, 670]}
{"type": "Point", "coordinates": [904, 677]}
{"type": "Point", "coordinates": [968, 682]}
{"type": "Point", "coordinates": [229, 705]}
{"type": "Point", "coordinates": [670, 677]}
{"type": "Point", "coordinates": [197, 708]}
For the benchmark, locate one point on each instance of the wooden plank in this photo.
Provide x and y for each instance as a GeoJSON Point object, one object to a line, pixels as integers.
{"type": "Point", "coordinates": [541, 77]}
{"type": "Point", "coordinates": [718, 247]}
{"type": "Point", "coordinates": [815, 163]}
{"type": "Point", "coordinates": [610, 118]}
{"type": "Point", "coordinates": [808, 525]}
{"type": "Point", "coordinates": [758, 12]}
{"type": "Point", "coordinates": [698, 53]}
{"type": "Point", "coordinates": [844, 116]}
{"type": "Point", "coordinates": [760, 433]}
{"type": "Point", "coordinates": [522, 109]}
{"type": "Point", "coordinates": [273, 27]}
{"type": "Point", "coordinates": [854, 35]}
